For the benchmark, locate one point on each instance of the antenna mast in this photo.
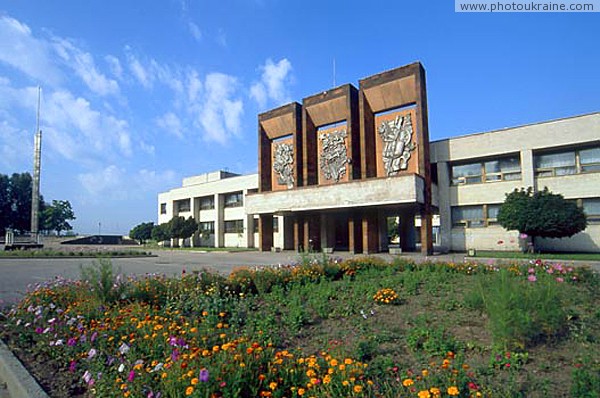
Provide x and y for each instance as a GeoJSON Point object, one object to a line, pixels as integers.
{"type": "Point", "coordinates": [37, 160]}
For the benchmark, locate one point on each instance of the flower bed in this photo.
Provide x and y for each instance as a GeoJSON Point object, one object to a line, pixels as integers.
{"type": "Point", "coordinates": [321, 328]}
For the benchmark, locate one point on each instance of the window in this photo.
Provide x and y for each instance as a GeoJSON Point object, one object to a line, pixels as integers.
{"type": "Point", "coordinates": [492, 213]}
{"type": "Point", "coordinates": [235, 199]}
{"type": "Point", "coordinates": [502, 169]}
{"type": "Point", "coordinates": [567, 162]}
{"type": "Point", "coordinates": [555, 164]}
{"type": "Point", "coordinates": [207, 227]}
{"type": "Point", "coordinates": [591, 207]}
{"type": "Point", "coordinates": [182, 205]}
{"type": "Point", "coordinates": [475, 216]}
{"type": "Point", "coordinates": [234, 227]}
{"type": "Point", "coordinates": [207, 203]}
{"type": "Point", "coordinates": [275, 224]}
{"type": "Point", "coordinates": [589, 159]}
{"type": "Point", "coordinates": [163, 208]}
{"type": "Point", "coordinates": [469, 216]}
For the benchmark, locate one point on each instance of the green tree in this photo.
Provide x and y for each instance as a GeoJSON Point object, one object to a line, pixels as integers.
{"type": "Point", "coordinates": [180, 228]}
{"type": "Point", "coordinates": [142, 232]}
{"type": "Point", "coordinates": [541, 214]}
{"type": "Point", "coordinates": [56, 216]}
{"type": "Point", "coordinates": [15, 202]}
{"type": "Point", "coordinates": [161, 232]}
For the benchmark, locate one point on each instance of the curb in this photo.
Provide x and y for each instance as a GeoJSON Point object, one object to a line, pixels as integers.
{"type": "Point", "coordinates": [19, 382]}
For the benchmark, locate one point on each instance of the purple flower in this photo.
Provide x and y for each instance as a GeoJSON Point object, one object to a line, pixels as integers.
{"type": "Point", "coordinates": [203, 375]}
{"type": "Point", "coordinates": [124, 349]}
{"type": "Point", "coordinates": [87, 376]}
{"type": "Point", "coordinates": [94, 336]}
{"type": "Point", "coordinates": [39, 330]}
{"type": "Point", "coordinates": [71, 342]}
{"type": "Point", "coordinates": [72, 366]}
{"type": "Point", "coordinates": [131, 376]}
{"type": "Point", "coordinates": [175, 355]}
{"type": "Point", "coordinates": [92, 353]}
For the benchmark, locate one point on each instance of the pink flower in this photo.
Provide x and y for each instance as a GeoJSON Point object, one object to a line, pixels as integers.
{"type": "Point", "coordinates": [560, 280]}
{"type": "Point", "coordinates": [531, 278]}
{"type": "Point", "coordinates": [72, 366]}
{"type": "Point", "coordinates": [531, 270]}
{"type": "Point", "coordinates": [131, 376]}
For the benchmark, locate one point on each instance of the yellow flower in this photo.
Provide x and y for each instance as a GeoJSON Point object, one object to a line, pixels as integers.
{"type": "Point", "coordinates": [425, 373]}
{"type": "Point", "coordinates": [189, 390]}
{"type": "Point", "coordinates": [407, 382]}
{"type": "Point", "coordinates": [272, 385]}
{"type": "Point", "coordinates": [357, 389]}
{"type": "Point", "coordinates": [348, 361]}
{"type": "Point", "coordinates": [345, 383]}
{"type": "Point", "coordinates": [334, 362]}
{"type": "Point", "coordinates": [453, 390]}
{"type": "Point", "coordinates": [424, 394]}
{"type": "Point", "coordinates": [301, 391]}
{"type": "Point", "coordinates": [436, 392]}
{"type": "Point", "coordinates": [194, 381]}
{"type": "Point", "coordinates": [326, 379]}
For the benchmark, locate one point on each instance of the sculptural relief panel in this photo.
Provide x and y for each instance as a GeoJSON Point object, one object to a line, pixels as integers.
{"type": "Point", "coordinates": [283, 163]}
{"type": "Point", "coordinates": [332, 147]}
{"type": "Point", "coordinates": [396, 143]}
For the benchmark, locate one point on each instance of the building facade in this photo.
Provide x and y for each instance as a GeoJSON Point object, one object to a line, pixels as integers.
{"type": "Point", "coordinates": [473, 174]}
{"type": "Point", "coordinates": [353, 169]}
{"type": "Point", "coordinates": [216, 201]}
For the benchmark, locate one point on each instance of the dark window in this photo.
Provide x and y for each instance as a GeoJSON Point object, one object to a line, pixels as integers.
{"type": "Point", "coordinates": [255, 229]}
{"type": "Point", "coordinates": [207, 227]}
{"type": "Point", "coordinates": [207, 203]}
{"type": "Point", "coordinates": [235, 199]}
{"type": "Point", "coordinates": [163, 208]}
{"type": "Point", "coordinates": [591, 207]}
{"type": "Point", "coordinates": [182, 205]}
{"type": "Point", "coordinates": [501, 169]}
{"type": "Point", "coordinates": [234, 227]}
{"type": "Point", "coordinates": [567, 162]}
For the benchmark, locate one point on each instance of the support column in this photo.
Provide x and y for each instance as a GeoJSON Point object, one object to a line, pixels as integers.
{"type": "Point", "coordinates": [406, 229]}
{"type": "Point", "coordinates": [426, 233]}
{"type": "Point", "coordinates": [370, 232]}
{"type": "Point", "coordinates": [219, 221]}
{"type": "Point", "coordinates": [354, 234]}
{"type": "Point", "coordinates": [528, 169]}
{"type": "Point", "coordinates": [299, 233]}
{"type": "Point", "coordinates": [265, 232]}
{"type": "Point", "coordinates": [444, 205]}
{"type": "Point", "coordinates": [312, 229]}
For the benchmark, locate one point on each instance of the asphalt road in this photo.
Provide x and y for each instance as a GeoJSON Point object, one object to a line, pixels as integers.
{"type": "Point", "coordinates": [17, 274]}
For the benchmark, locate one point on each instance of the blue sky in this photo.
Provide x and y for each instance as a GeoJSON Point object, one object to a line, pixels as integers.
{"type": "Point", "coordinates": [138, 94]}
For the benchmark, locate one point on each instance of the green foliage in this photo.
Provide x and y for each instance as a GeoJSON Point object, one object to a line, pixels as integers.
{"type": "Point", "coordinates": [180, 228]}
{"type": "Point", "coordinates": [541, 214]}
{"type": "Point", "coordinates": [142, 232]}
{"type": "Point", "coordinates": [15, 202]}
{"type": "Point", "coordinates": [586, 380]}
{"type": "Point", "coordinates": [160, 232]}
{"type": "Point", "coordinates": [56, 217]}
{"type": "Point", "coordinates": [105, 284]}
{"type": "Point", "coordinates": [521, 313]}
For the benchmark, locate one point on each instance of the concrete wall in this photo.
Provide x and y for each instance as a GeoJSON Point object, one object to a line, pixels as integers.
{"type": "Point", "coordinates": [525, 141]}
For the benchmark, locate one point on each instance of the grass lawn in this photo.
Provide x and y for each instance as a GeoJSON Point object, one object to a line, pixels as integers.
{"type": "Point", "coordinates": [545, 256]}
{"type": "Point", "coordinates": [322, 328]}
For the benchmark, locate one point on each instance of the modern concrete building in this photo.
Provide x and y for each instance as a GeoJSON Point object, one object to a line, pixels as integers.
{"type": "Point", "coordinates": [336, 171]}
{"type": "Point", "coordinates": [473, 173]}
{"type": "Point", "coordinates": [216, 200]}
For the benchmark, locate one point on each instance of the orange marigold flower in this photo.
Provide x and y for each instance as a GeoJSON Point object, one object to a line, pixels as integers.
{"type": "Point", "coordinates": [261, 377]}
{"type": "Point", "coordinates": [357, 389]}
{"type": "Point", "coordinates": [453, 390]}
{"type": "Point", "coordinates": [407, 382]}
{"type": "Point", "coordinates": [348, 361]}
{"type": "Point", "coordinates": [272, 385]}
{"type": "Point", "coordinates": [194, 381]}
{"type": "Point", "coordinates": [424, 394]}
{"type": "Point", "coordinates": [189, 390]}
{"type": "Point", "coordinates": [301, 391]}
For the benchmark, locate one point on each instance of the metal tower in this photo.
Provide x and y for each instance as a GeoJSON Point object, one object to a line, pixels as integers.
{"type": "Point", "coordinates": [37, 163]}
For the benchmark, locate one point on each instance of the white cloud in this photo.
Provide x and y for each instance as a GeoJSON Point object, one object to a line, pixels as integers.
{"type": "Point", "coordinates": [221, 38]}
{"type": "Point", "coordinates": [194, 86]}
{"type": "Point", "coordinates": [79, 132]}
{"type": "Point", "coordinates": [115, 66]}
{"type": "Point", "coordinates": [116, 183]}
{"type": "Point", "coordinates": [220, 114]}
{"type": "Point", "coordinates": [195, 31]}
{"type": "Point", "coordinates": [84, 66]}
{"type": "Point", "coordinates": [273, 84]}
{"type": "Point", "coordinates": [21, 50]}
{"type": "Point", "coordinates": [170, 123]}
